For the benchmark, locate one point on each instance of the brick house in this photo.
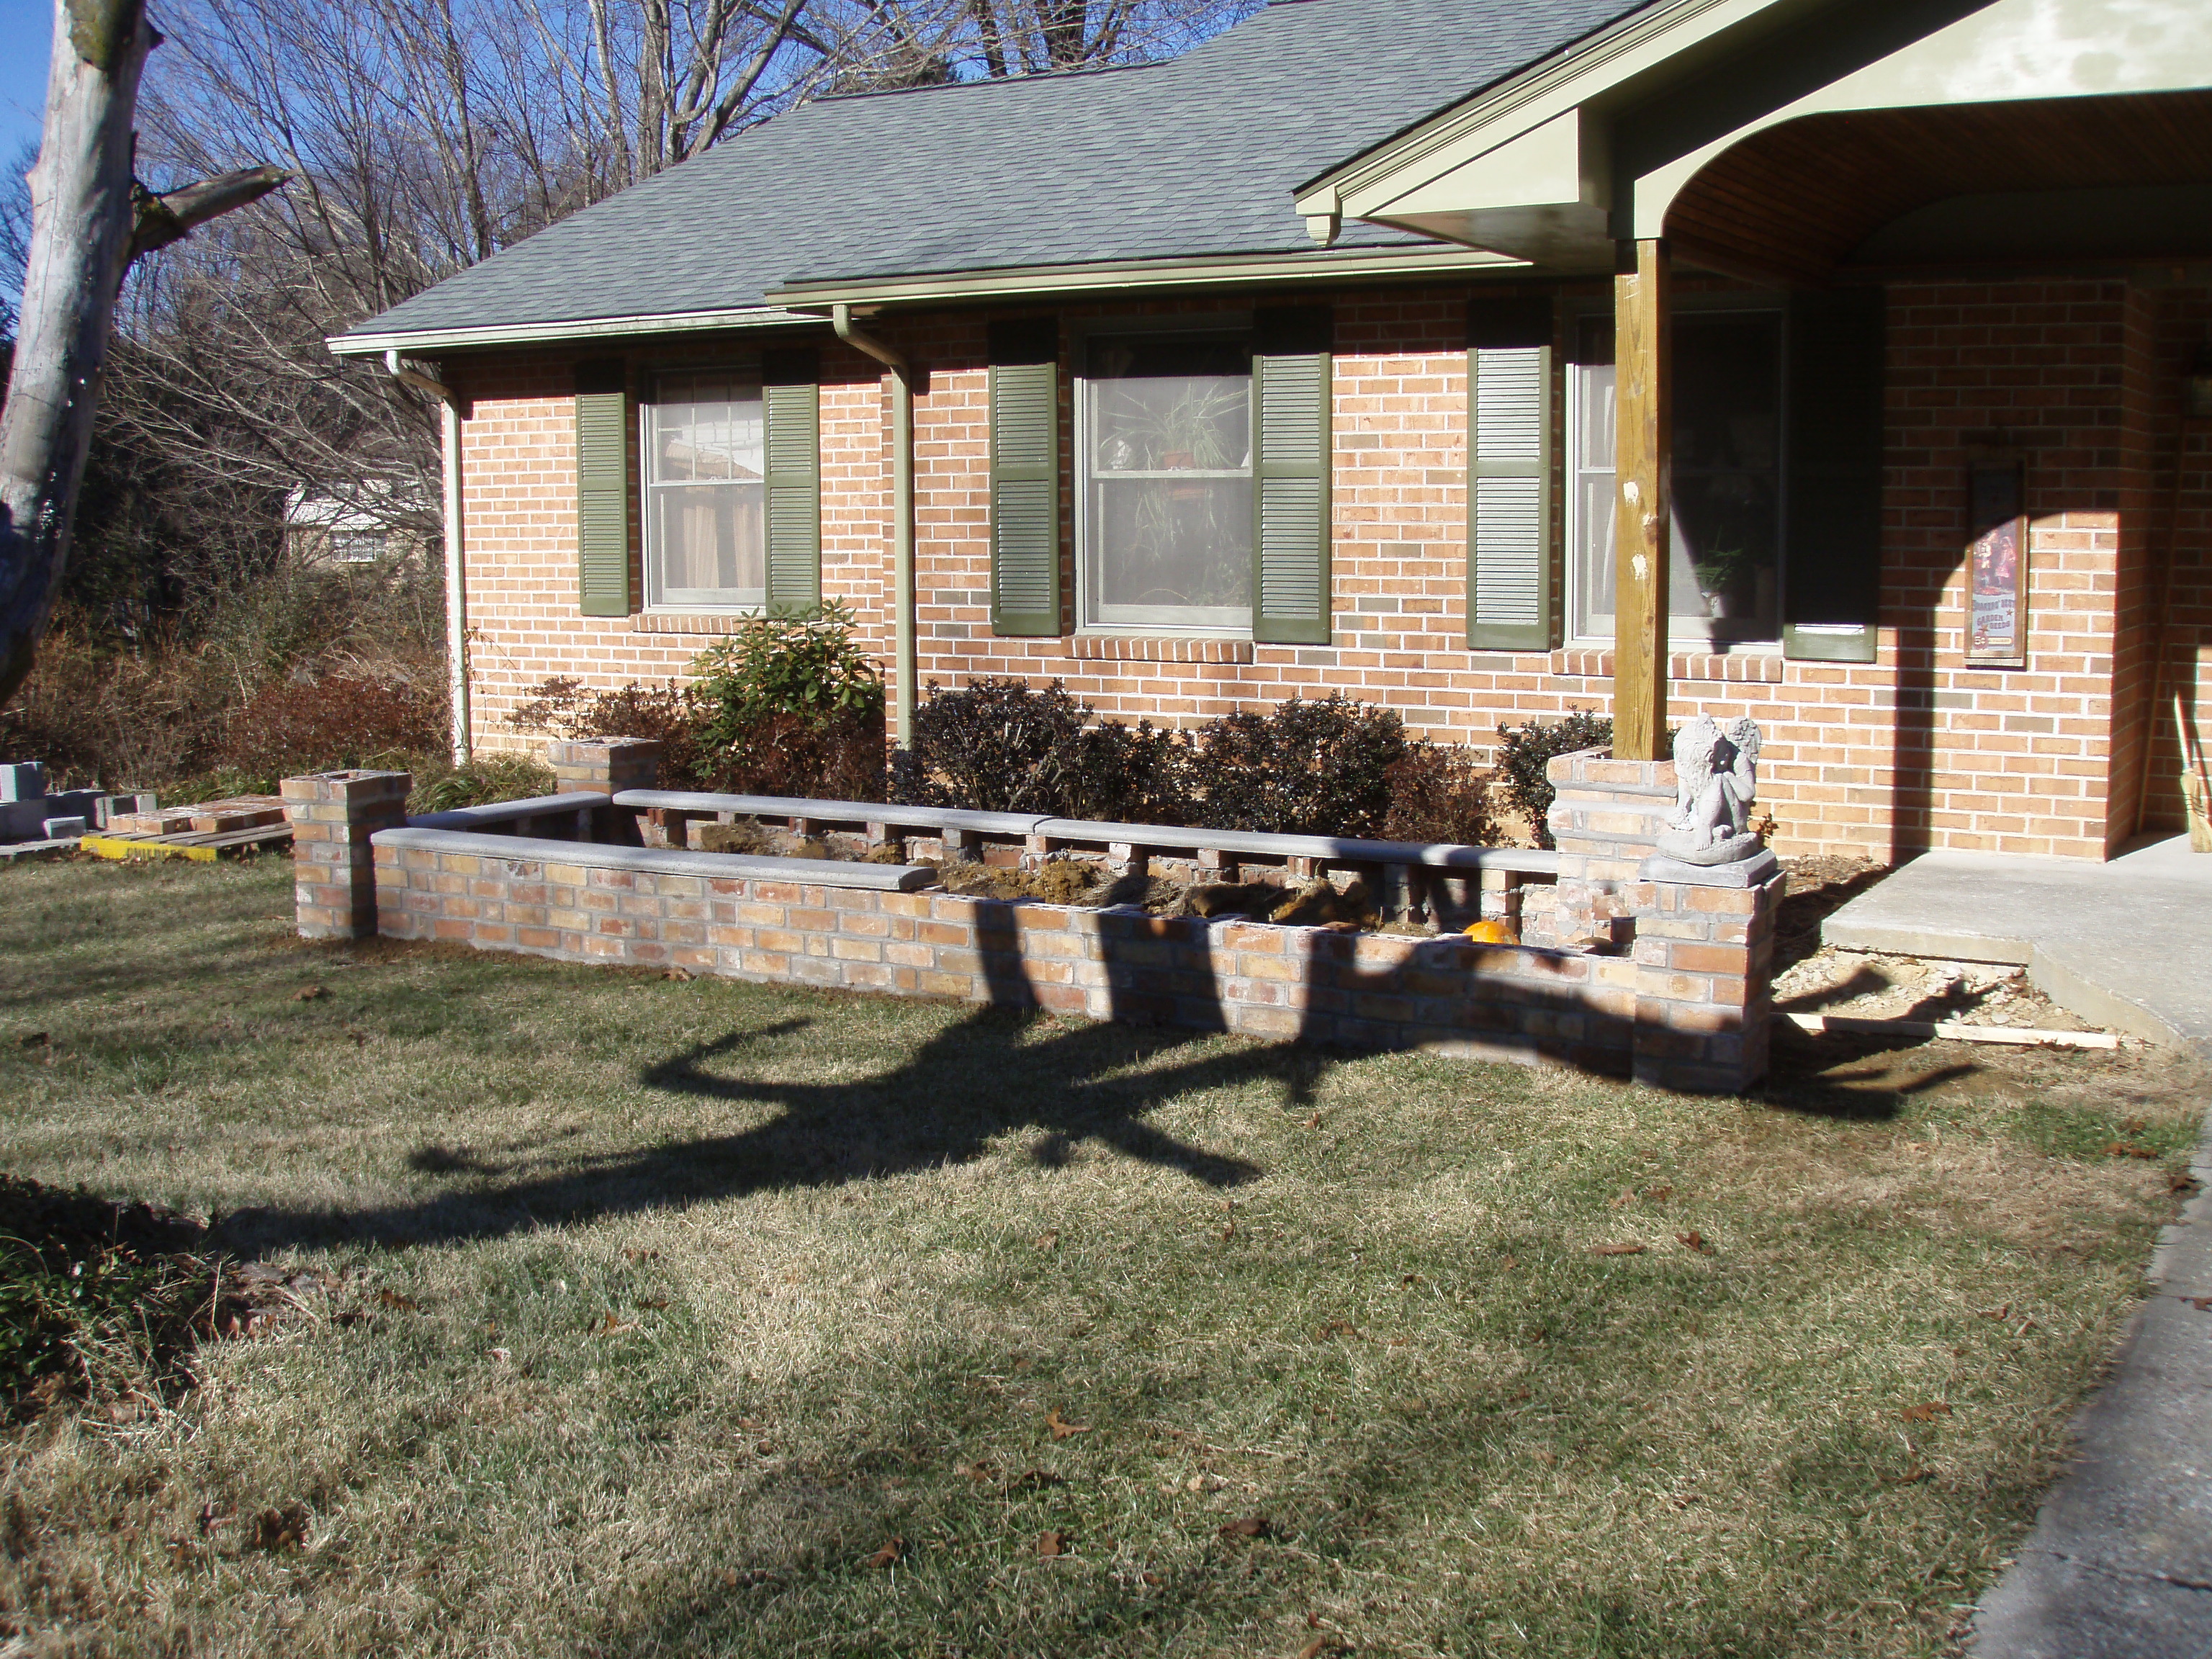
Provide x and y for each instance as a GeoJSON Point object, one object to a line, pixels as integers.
{"type": "Point", "coordinates": [1827, 362]}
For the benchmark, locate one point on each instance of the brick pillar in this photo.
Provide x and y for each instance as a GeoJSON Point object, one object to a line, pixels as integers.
{"type": "Point", "coordinates": [1606, 819]}
{"type": "Point", "coordinates": [1704, 969]}
{"type": "Point", "coordinates": [334, 873]}
{"type": "Point", "coordinates": [605, 766]}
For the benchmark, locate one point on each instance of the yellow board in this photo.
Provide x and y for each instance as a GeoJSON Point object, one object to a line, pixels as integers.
{"type": "Point", "coordinates": [114, 846]}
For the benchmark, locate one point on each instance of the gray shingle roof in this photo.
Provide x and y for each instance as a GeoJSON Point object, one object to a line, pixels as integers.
{"type": "Point", "coordinates": [1194, 157]}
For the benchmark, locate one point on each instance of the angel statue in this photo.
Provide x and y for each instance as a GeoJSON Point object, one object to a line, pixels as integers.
{"type": "Point", "coordinates": [1716, 775]}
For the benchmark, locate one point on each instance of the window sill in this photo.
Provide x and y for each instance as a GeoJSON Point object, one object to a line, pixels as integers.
{"type": "Point", "coordinates": [1158, 647]}
{"type": "Point", "coordinates": [690, 622]}
{"type": "Point", "coordinates": [1753, 668]}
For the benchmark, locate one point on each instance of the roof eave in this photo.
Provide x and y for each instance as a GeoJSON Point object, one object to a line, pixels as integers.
{"type": "Point", "coordinates": [373, 342]}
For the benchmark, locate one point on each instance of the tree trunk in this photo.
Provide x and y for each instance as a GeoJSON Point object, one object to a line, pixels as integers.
{"type": "Point", "coordinates": [81, 226]}
{"type": "Point", "coordinates": [90, 219]}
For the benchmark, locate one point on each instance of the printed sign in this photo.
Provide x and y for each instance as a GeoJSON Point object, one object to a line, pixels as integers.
{"type": "Point", "coordinates": [1997, 565]}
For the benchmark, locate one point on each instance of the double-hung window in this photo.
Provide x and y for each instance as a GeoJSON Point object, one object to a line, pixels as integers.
{"type": "Point", "coordinates": [706, 544]}
{"type": "Point", "coordinates": [1164, 478]}
{"type": "Point", "coordinates": [1724, 572]}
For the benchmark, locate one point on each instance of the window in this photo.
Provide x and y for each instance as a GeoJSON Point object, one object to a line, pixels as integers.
{"type": "Point", "coordinates": [1164, 472]}
{"type": "Point", "coordinates": [357, 546]}
{"type": "Point", "coordinates": [1724, 572]}
{"type": "Point", "coordinates": [705, 489]}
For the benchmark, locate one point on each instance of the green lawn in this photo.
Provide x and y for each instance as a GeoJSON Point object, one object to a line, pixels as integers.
{"type": "Point", "coordinates": [666, 1316]}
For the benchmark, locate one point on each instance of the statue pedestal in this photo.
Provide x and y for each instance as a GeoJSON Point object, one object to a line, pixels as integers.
{"type": "Point", "coordinates": [1700, 936]}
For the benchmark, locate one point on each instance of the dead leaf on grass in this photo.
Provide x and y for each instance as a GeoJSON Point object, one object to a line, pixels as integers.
{"type": "Point", "coordinates": [977, 1471]}
{"type": "Point", "coordinates": [2184, 1185]}
{"type": "Point", "coordinates": [2201, 1303]}
{"type": "Point", "coordinates": [1912, 1475]}
{"type": "Point", "coordinates": [1927, 1412]}
{"type": "Point", "coordinates": [2119, 1149]}
{"type": "Point", "coordinates": [1252, 1526]}
{"type": "Point", "coordinates": [2004, 1312]}
{"type": "Point", "coordinates": [1694, 1240]}
{"type": "Point", "coordinates": [402, 1303]}
{"type": "Point", "coordinates": [1617, 1249]}
{"type": "Point", "coordinates": [652, 1304]}
{"type": "Point", "coordinates": [282, 1528]}
{"type": "Point", "coordinates": [1035, 1479]}
{"type": "Point", "coordinates": [310, 993]}
{"type": "Point", "coordinates": [888, 1555]}
{"type": "Point", "coordinates": [629, 1255]}
{"type": "Point", "coordinates": [1061, 1427]}
{"type": "Point", "coordinates": [1335, 1327]}
{"type": "Point", "coordinates": [1412, 1278]}
{"type": "Point", "coordinates": [612, 1323]}
{"type": "Point", "coordinates": [1508, 1263]}
{"type": "Point", "coordinates": [1048, 1239]}
{"type": "Point", "coordinates": [677, 974]}
{"type": "Point", "coordinates": [1658, 1195]}
{"type": "Point", "coordinates": [1626, 1198]}
{"type": "Point", "coordinates": [1320, 1645]}
{"type": "Point", "coordinates": [1051, 1544]}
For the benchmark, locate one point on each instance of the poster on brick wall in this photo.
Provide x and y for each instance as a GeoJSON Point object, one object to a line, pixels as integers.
{"type": "Point", "coordinates": [1996, 565]}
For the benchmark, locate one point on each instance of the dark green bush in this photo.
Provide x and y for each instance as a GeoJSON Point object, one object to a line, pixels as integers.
{"type": "Point", "coordinates": [1312, 768]}
{"type": "Point", "coordinates": [810, 665]}
{"type": "Point", "coordinates": [1524, 751]}
{"type": "Point", "coordinates": [998, 746]}
{"type": "Point", "coordinates": [1439, 792]}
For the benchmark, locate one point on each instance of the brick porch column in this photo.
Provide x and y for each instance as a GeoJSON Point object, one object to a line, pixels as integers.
{"type": "Point", "coordinates": [1704, 973]}
{"type": "Point", "coordinates": [334, 872]}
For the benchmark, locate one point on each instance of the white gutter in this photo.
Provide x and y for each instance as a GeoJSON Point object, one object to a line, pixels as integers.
{"type": "Point", "coordinates": [457, 587]}
{"type": "Point", "coordinates": [841, 319]}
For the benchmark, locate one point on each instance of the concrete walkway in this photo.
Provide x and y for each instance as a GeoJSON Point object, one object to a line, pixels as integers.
{"type": "Point", "coordinates": [2119, 1565]}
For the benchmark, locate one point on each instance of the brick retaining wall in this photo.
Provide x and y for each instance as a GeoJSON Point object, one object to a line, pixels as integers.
{"type": "Point", "coordinates": [1676, 995]}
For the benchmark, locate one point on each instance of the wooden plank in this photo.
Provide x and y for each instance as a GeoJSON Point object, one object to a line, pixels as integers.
{"type": "Point", "coordinates": [1643, 404]}
{"type": "Point", "coordinates": [1956, 1031]}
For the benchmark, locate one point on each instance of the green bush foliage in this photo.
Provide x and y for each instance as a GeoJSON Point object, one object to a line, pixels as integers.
{"type": "Point", "coordinates": [442, 787]}
{"type": "Point", "coordinates": [1318, 768]}
{"type": "Point", "coordinates": [1524, 751]}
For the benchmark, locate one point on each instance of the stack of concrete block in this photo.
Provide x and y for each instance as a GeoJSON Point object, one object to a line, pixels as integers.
{"type": "Point", "coordinates": [34, 823]}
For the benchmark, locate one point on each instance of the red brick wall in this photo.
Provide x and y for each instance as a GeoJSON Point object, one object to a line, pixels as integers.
{"type": "Point", "coordinates": [1914, 751]}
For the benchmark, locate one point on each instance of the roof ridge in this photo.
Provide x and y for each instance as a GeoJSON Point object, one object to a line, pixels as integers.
{"type": "Point", "coordinates": [1048, 78]}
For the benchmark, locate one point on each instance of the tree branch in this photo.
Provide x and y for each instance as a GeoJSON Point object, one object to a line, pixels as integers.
{"type": "Point", "coordinates": [158, 220]}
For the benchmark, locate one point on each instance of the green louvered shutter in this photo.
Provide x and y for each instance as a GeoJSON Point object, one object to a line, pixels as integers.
{"type": "Point", "coordinates": [1290, 352]}
{"type": "Point", "coordinates": [1512, 563]}
{"type": "Point", "coordinates": [792, 404]}
{"type": "Point", "coordinates": [1832, 527]}
{"type": "Point", "coordinates": [603, 563]}
{"type": "Point", "coordinates": [1025, 476]}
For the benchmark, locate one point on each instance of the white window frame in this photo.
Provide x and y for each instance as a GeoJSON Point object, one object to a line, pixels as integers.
{"type": "Point", "coordinates": [1209, 325]}
{"type": "Point", "coordinates": [744, 377]}
{"type": "Point", "coordinates": [1692, 631]}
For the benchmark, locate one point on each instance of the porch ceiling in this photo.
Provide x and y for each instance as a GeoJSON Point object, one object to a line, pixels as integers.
{"type": "Point", "coordinates": [1799, 202]}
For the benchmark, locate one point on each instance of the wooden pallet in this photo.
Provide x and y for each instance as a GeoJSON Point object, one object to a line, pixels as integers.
{"type": "Point", "coordinates": [201, 847]}
{"type": "Point", "coordinates": [207, 817]}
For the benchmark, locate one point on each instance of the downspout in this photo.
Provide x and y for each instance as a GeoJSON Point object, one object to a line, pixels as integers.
{"type": "Point", "coordinates": [841, 319]}
{"type": "Point", "coordinates": [457, 585]}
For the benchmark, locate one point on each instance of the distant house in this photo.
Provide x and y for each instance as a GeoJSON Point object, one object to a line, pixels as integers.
{"type": "Point", "coordinates": [1333, 355]}
{"type": "Point", "coordinates": [325, 529]}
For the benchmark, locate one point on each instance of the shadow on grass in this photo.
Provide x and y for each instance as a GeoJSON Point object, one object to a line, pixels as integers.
{"type": "Point", "coordinates": [972, 1082]}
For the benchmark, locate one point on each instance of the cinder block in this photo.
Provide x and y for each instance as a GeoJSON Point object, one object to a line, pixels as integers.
{"type": "Point", "coordinates": [22, 780]}
{"type": "Point", "coordinates": [64, 829]}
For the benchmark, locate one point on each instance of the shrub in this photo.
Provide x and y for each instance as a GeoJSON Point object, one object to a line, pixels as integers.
{"type": "Point", "coordinates": [1313, 768]}
{"type": "Point", "coordinates": [341, 719]}
{"type": "Point", "coordinates": [441, 787]}
{"type": "Point", "coordinates": [998, 746]}
{"type": "Point", "coordinates": [1439, 792]}
{"type": "Point", "coordinates": [808, 665]}
{"type": "Point", "coordinates": [665, 714]}
{"type": "Point", "coordinates": [1523, 752]}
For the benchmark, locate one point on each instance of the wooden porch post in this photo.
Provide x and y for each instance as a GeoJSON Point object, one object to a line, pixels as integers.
{"type": "Point", "coordinates": [1643, 459]}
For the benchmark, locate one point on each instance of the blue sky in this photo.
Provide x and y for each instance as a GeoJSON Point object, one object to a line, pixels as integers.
{"type": "Point", "coordinates": [27, 28]}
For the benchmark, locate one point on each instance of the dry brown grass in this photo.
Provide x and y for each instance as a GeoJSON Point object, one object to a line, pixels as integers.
{"type": "Point", "coordinates": [703, 1294]}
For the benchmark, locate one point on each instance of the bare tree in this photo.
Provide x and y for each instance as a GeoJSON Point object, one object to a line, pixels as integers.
{"type": "Point", "coordinates": [90, 218]}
